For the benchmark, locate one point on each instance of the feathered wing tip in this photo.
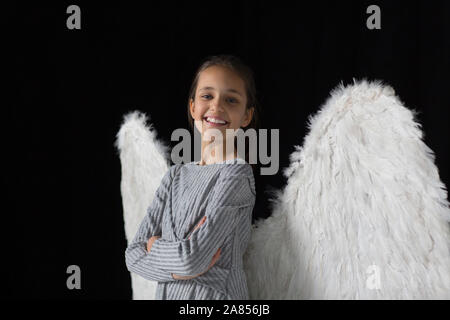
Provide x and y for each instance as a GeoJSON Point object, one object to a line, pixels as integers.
{"type": "Point", "coordinates": [363, 214]}
{"type": "Point", "coordinates": [144, 161]}
{"type": "Point", "coordinates": [137, 124]}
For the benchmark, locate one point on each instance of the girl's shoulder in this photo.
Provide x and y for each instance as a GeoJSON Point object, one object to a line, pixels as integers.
{"type": "Point", "coordinates": [174, 169]}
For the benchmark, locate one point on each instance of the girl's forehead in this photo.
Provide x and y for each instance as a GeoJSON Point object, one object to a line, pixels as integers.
{"type": "Point", "coordinates": [217, 77]}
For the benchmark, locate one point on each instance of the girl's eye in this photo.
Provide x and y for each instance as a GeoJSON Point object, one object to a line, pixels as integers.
{"type": "Point", "coordinates": [232, 100]}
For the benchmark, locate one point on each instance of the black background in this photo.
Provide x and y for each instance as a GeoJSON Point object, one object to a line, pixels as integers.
{"type": "Point", "coordinates": [71, 88]}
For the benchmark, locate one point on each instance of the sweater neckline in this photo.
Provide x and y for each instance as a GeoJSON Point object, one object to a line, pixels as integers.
{"type": "Point", "coordinates": [229, 161]}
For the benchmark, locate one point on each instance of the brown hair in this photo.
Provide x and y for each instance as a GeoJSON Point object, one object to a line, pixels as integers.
{"type": "Point", "coordinates": [235, 64]}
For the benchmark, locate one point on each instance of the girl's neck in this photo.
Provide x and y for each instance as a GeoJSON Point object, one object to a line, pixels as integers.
{"type": "Point", "coordinates": [211, 154]}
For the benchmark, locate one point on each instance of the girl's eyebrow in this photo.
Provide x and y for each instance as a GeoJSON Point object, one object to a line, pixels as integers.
{"type": "Point", "coordinates": [229, 90]}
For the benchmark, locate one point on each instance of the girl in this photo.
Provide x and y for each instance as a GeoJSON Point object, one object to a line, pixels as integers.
{"type": "Point", "coordinates": [203, 209]}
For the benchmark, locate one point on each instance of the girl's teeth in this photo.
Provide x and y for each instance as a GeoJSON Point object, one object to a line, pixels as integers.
{"type": "Point", "coordinates": [214, 120]}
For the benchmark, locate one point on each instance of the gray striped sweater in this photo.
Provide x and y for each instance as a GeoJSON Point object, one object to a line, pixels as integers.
{"type": "Point", "coordinates": [223, 192]}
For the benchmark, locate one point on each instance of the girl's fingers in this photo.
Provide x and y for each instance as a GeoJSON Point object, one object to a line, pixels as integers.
{"type": "Point", "coordinates": [217, 255]}
{"type": "Point", "coordinates": [202, 221]}
{"type": "Point", "coordinates": [150, 242]}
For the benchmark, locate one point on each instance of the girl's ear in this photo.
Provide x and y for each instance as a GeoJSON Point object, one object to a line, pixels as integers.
{"type": "Point", "coordinates": [192, 108]}
{"type": "Point", "coordinates": [248, 116]}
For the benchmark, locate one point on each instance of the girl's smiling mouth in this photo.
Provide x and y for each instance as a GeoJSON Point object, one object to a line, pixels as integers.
{"type": "Point", "coordinates": [214, 121]}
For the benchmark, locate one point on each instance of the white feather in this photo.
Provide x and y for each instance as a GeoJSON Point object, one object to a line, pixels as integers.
{"type": "Point", "coordinates": [144, 161]}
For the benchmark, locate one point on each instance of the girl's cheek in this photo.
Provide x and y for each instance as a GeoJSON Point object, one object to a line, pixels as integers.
{"type": "Point", "coordinates": [201, 107]}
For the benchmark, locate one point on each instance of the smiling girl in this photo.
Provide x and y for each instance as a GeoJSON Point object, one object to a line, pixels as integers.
{"type": "Point", "coordinates": [197, 228]}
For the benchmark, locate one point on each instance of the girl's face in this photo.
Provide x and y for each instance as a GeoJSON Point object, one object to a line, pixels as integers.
{"type": "Point", "coordinates": [220, 94]}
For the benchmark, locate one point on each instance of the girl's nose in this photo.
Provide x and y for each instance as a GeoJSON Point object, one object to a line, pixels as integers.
{"type": "Point", "coordinates": [216, 107]}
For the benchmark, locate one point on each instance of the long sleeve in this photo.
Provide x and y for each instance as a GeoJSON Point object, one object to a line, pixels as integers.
{"type": "Point", "coordinates": [136, 255]}
{"type": "Point", "coordinates": [188, 257]}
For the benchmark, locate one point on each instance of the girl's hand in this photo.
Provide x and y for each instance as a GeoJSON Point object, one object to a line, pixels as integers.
{"type": "Point", "coordinates": [150, 242]}
{"type": "Point", "coordinates": [213, 261]}
{"type": "Point", "coordinates": [198, 225]}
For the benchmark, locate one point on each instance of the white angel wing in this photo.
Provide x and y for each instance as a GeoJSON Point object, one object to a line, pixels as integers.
{"type": "Point", "coordinates": [364, 214]}
{"type": "Point", "coordinates": [144, 161]}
